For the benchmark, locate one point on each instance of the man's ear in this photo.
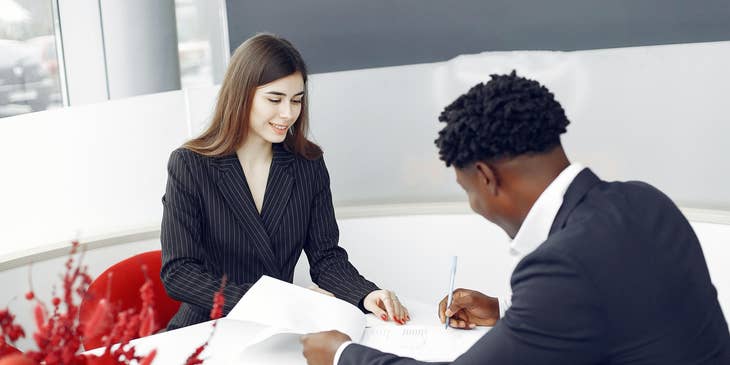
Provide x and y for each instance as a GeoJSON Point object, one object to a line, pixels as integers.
{"type": "Point", "coordinates": [487, 177]}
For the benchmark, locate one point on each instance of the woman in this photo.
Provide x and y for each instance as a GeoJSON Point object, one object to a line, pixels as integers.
{"type": "Point", "coordinates": [248, 195]}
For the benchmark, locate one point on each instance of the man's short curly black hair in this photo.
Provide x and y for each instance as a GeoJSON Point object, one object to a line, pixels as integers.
{"type": "Point", "coordinates": [506, 117]}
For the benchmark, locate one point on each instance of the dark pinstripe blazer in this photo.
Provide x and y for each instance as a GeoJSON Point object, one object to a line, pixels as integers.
{"type": "Point", "coordinates": [211, 227]}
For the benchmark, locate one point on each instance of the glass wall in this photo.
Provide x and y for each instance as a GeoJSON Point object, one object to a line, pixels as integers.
{"type": "Point", "coordinates": [29, 69]}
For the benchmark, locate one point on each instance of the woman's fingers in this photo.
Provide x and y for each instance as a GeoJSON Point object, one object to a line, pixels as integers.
{"type": "Point", "coordinates": [398, 308]}
{"type": "Point", "coordinates": [401, 311]}
{"type": "Point", "coordinates": [389, 304]}
{"type": "Point", "coordinates": [380, 313]}
{"type": "Point", "coordinates": [385, 305]}
{"type": "Point", "coordinates": [375, 302]}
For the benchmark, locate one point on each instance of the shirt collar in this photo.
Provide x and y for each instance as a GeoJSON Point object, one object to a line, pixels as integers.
{"type": "Point", "coordinates": [536, 226]}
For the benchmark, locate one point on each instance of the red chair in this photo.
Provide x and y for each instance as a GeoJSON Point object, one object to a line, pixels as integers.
{"type": "Point", "coordinates": [123, 291]}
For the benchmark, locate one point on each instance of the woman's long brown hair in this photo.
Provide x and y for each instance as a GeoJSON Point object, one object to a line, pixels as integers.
{"type": "Point", "coordinates": [260, 60]}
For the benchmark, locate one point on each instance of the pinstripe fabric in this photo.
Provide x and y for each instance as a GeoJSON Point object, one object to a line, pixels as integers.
{"type": "Point", "coordinates": [210, 227]}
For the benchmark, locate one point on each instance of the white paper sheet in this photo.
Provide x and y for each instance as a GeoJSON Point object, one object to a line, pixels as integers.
{"type": "Point", "coordinates": [293, 309]}
{"type": "Point", "coordinates": [281, 348]}
{"type": "Point", "coordinates": [424, 343]}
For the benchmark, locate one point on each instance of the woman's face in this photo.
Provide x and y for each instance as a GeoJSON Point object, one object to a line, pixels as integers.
{"type": "Point", "coordinates": [275, 108]}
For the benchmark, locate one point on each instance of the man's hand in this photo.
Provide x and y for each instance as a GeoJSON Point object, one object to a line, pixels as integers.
{"type": "Point", "coordinates": [385, 305]}
{"type": "Point", "coordinates": [469, 309]}
{"type": "Point", "coordinates": [320, 348]}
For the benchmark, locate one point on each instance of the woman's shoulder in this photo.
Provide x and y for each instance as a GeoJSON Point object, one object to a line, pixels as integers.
{"type": "Point", "coordinates": [186, 157]}
{"type": "Point", "coordinates": [314, 164]}
{"type": "Point", "coordinates": [282, 154]}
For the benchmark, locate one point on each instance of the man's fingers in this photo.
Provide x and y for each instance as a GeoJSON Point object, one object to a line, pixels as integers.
{"type": "Point", "coordinates": [442, 310]}
{"type": "Point", "coordinates": [461, 300]}
{"type": "Point", "coordinates": [457, 323]}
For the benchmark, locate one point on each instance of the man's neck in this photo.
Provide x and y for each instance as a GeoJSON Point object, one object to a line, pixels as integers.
{"type": "Point", "coordinates": [529, 176]}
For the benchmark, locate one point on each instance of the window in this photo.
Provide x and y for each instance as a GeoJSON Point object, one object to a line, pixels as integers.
{"type": "Point", "coordinates": [201, 47]}
{"type": "Point", "coordinates": [29, 69]}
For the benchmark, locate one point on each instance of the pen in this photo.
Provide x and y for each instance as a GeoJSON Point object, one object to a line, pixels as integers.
{"type": "Point", "coordinates": [451, 288]}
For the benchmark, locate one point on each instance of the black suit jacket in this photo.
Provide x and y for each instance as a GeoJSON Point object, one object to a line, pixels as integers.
{"type": "Point", "coordinates": [621, 279]}
{"type": "Point", "coordinates": [211, 228]}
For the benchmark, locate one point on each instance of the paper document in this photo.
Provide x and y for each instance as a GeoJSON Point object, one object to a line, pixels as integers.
{"type": "Point", "coordinates": [431, 343]}
{"type": "Point", "coordinates": [289, 308]}
{"type": "Point", "coordinates": [286, 311]}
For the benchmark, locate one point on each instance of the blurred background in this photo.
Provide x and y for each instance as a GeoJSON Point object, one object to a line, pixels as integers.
{"type": "Point", "coordinates": [32, 72]}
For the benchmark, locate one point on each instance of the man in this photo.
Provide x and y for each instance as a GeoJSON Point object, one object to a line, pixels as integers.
{"type": "Point", "coordinates": [615, 274]}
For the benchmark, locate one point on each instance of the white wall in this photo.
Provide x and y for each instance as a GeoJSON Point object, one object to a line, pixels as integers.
{"type": "Point", "coordinates": [412, 254]}
{"type": "Point", "coordinates": [86, 171]}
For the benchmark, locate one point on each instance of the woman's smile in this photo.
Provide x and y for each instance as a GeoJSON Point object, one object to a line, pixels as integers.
{"type": "Point", "coordinates": [279, 129]}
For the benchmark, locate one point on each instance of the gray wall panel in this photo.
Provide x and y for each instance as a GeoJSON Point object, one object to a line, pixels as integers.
{"type": "Point", "coordinates": [336, 35]}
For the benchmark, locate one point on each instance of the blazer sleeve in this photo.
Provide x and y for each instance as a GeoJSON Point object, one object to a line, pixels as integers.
{"type": "Point", "coordinates": [356, 354]}
{"type": "Point", "coordinates": [328, 262]}
{"type": "Point", "coordinates": [183, 273]}
{"type": "Point", "coordinates": [555, 318]}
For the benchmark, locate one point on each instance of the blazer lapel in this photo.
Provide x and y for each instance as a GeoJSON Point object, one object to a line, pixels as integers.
{"type": "Point", "coordinates": [278, 189]}
{"type": "Point", "coordinates": [234, 188]}
{"type": "Point", "coordinates": [584, 181]}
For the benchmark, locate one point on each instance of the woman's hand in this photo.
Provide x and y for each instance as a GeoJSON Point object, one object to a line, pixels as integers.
{"type": "Point", "coordinates": [385, 305]}
{"type": "Point", "coordinates": [314, 287]}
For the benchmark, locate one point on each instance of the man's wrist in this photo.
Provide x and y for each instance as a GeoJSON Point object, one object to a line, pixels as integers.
{"type": "Point", "coordinates": [503, 303]}
{"type": "Point", "coordinates": [338, 353]}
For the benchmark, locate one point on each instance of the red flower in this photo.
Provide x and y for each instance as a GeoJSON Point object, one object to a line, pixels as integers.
{"type": "Point", "coordinates": [101, 321]}
{"type": "Point", "coordinates": [215, 313]}
{"type": "Point", "coordinates": [58, 334]}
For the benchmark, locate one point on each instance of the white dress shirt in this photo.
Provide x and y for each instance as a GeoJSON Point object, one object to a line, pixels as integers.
{"type": "Point", "coordinates": [533, 231]}
{"type": "Point", "coordinates": [536, 226]}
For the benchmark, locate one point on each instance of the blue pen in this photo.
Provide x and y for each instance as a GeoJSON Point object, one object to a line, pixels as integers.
{"type": "Point", "coordinates": [451, 288]}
